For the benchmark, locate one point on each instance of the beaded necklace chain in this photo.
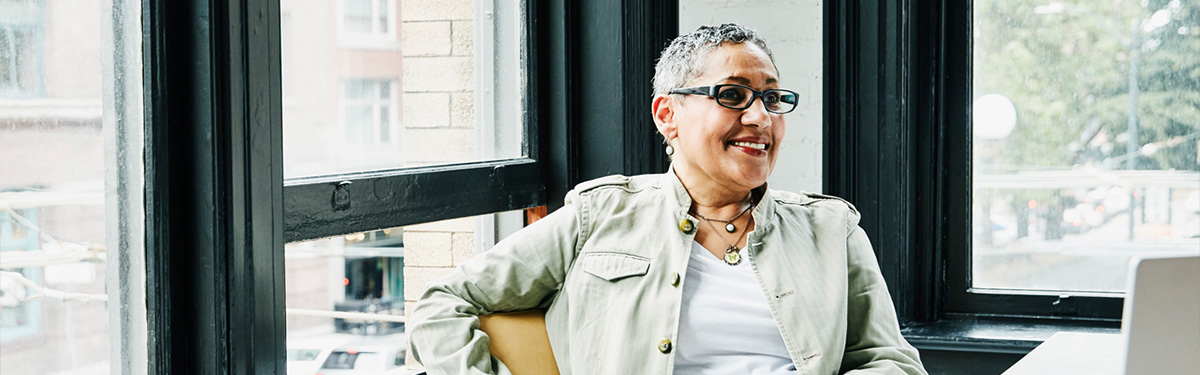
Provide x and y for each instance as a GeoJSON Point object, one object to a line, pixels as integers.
{"type": "Point", "coordinates": [729, 227]}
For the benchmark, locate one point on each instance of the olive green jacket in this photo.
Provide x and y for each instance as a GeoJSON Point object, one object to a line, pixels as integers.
{"type": "Point", "coordinates": [609, 267]}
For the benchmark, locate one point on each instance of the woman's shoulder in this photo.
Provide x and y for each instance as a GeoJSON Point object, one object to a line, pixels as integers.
{"type": "Point", "coordinates": [789, 201]}
{"type": "Point", "coordinates": [631, 191]}
{"type": "Point", "coordinates": [618, 183]}
{"type": "Point", "coordinates": [805, 198]}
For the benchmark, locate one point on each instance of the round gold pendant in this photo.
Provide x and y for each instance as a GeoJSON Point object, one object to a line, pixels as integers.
{"type": "Point", "coordinates": [732, 256]}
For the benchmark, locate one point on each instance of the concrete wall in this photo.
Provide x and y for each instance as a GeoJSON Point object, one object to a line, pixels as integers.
{"type": "Point", "coordinates": [793, 31]}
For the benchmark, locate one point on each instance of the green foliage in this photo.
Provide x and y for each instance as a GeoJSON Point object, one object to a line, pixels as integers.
{"type": "Point", "coordinates": [1068, 74]}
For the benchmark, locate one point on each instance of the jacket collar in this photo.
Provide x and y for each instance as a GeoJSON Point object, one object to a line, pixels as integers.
{"type": "Point", "coordinates": [763, 213]}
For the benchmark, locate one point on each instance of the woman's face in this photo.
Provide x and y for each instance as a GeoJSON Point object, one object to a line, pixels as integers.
{"type": "Point", "coordinates": [734, 148]}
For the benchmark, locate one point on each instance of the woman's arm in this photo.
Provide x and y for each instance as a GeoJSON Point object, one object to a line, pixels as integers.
{"type": "Point", "coordinates": [873, 341]}
{"type": "Point", "coordinates": [521, 272]}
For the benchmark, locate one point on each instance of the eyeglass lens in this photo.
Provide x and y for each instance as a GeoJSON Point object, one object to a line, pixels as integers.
{"type": "Point", "coordinates": [738, 97]}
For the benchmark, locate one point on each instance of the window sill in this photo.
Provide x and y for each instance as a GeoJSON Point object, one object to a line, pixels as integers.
{"type": "Point", "coordinates": [1009, 335]}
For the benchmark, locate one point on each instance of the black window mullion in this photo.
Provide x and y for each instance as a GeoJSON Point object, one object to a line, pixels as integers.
{"type": "Point", "coordinates": [647, 28]}
{"type": "Point", "coordinates": [554, 48]}
{"type": "Point", "coordinates": [874, 134]}
{"type": "Point", "coordinates": [214, 187]}
{"type": "Point", "coordinates": [157, 182]}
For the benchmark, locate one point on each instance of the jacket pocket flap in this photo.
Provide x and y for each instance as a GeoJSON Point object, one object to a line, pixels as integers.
{"type": "Point", "coordinates": [614, 266]}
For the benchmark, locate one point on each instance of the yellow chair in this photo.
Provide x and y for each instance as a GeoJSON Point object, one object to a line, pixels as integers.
{"type": "Point", "coordinates": [519, 339]}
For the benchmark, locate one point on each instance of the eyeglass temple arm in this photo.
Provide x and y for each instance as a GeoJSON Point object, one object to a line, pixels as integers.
{"type": "Point", "coordinates": [702, 90]}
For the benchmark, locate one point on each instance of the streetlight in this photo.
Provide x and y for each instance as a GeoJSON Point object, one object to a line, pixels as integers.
{"type": "Point", "coordinates": [993, 116]}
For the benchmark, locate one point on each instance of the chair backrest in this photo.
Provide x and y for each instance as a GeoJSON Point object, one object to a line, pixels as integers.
{"type": "Point", "coordinates": [519, 340]}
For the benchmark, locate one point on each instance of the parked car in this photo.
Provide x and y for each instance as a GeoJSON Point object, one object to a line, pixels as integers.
{"type": "Point", "coordinates": [368, 358]}
{"type": "Point", "coordinates": [304, 357]}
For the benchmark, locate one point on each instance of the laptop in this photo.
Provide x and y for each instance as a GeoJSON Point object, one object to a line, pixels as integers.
{"type": "Point", "coordinates": [1160, 329]}
{"type": "Point", "coordinates": [1161, 321]}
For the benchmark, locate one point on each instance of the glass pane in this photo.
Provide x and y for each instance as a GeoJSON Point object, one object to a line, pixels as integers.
{"type": "Point", "coordinates": [359, 124]}
{"type": "Point", "coordinates": [347, 295]}
{"type": "Point", "coordinates": [67, 196]}
{"type": "Point", "coordinates": [8, 58]}
{"type": "Point", "coordinates": [360, 89]}
{"type": "Point", "coordinates": [1086, 130]}
{"type": "Point", "coordinates": [447, 92]}
{"type": "Point", "coordinates": [17, 54]}
{"type": "Point", "coordinates": [385, 120]}
{"type": "Point", "coordinates": [357, 16]}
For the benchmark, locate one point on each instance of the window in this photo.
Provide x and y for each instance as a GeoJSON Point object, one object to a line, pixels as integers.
{"type": "Point", "coordinates": [72, 245]}
{"type": "Point", "coordinates": [900, 95]}
{"type": "Point", "coordinates": [369, 112]}
{"type": "Point", "coordinates": [1085, 142]}
{"type": "Point", "coordinates": [368, 18]}
{"type": "Point", "coordinates": [419, 143]}
{"type": "Point", "coordinates": [452, 113]}
{"type": "Point", "coordinates": [196, 181]}
{"type": "Point", "coordinates": [492, 102]}
{"type": "Point", "coordinates": [21, 48]}
{"type": "Point", "coordinates": [452, 95]}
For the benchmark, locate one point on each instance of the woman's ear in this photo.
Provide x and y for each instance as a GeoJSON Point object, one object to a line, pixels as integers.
{"type": "Point", "coordinates": [664, 116]}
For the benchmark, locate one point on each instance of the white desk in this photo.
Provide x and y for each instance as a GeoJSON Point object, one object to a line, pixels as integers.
{"type": "Point", "coordinates": [1074, 353]}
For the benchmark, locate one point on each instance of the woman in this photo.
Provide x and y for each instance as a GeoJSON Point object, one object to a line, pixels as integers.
{"type": "Point", "coordinates": [699, 270]}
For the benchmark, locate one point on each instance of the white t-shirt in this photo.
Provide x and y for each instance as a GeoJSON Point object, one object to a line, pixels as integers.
{"type": "Point", "coordinates": [725, 325]}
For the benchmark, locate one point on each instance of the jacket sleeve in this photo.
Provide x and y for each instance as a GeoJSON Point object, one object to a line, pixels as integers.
{"type": "Point", "coordinates": [522, 272]}
{"type": "Point", "coordinates": [873, 341]}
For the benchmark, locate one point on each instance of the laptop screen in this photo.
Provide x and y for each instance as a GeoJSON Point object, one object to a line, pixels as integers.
{"type": "Point", "coordinates": [1162, 316]}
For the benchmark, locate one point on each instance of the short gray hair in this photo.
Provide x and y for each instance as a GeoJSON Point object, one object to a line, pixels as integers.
{"type": "Point", "coordinates": [683, 59]}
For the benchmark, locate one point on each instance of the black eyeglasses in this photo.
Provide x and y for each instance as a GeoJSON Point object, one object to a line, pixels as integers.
{"type": "Point", "coordinates": [741, 97]}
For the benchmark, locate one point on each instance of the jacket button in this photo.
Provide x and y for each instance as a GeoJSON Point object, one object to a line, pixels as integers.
{"type": "Point", "coordinates": [687, 226]}
{"type": "Point", "coordinates": [675, 279]}
{"type": "Point", "coordinates": [664, 346]}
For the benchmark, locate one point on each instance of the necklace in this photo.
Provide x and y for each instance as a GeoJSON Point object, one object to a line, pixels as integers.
{"type": "Point", "coordinates": [729, 227]}
{"type": "Point", "coordinates": [733, 254]}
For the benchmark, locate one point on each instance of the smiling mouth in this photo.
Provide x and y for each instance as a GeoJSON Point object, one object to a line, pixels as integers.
{"type": "Point", "coordinates": [756, 146]}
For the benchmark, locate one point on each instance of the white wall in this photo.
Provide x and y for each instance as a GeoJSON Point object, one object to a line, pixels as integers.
{"type": "Point", "coordinates": [793, 31]}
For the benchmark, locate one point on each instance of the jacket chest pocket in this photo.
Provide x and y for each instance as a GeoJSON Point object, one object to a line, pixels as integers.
{"type": "Point", "coordinates": [611, 266]}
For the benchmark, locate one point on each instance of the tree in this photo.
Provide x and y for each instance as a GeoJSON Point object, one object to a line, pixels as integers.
{"type": "Point", "coordinates": [1067, 72]}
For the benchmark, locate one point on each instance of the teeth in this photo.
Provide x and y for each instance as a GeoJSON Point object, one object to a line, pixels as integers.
{"type": "Point", "coordinates": [757, 146]}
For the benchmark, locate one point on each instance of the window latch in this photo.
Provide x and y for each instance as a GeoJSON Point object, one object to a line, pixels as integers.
{"type": "Point", "coordinates": [341, 196]}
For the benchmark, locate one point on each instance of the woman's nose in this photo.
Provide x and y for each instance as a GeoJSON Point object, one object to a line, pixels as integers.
{"type": "Point", "coordinates": [756, 114]}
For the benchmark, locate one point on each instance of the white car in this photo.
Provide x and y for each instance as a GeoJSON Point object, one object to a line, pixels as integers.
{"type": "Point", "coordinates": [305, 357]}
{"type": "Point", "coordinates": [371, 357]}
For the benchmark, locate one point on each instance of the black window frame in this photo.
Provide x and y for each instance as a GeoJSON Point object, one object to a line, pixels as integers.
{"type": "Point", "coordinates": [898, 145]}
{"type": "Point", "coordinates": [213, 201]}
{"type": "Point", "coordinates": [324, 206]}
{"type": "Point", "coordinates": [218, 212]}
